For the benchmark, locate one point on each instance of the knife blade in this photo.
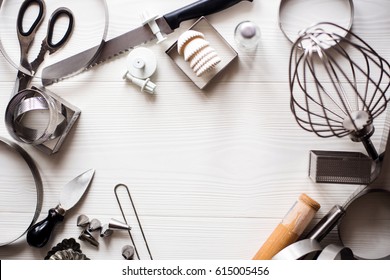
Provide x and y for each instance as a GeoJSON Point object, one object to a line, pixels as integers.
{"type": "Point", "coordinates": [39, 234]}
{"type": "Point", "coordinates": [120, 44]}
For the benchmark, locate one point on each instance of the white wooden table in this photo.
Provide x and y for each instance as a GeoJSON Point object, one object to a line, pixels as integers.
{"type": "Point", "coordinates": [213, 171]}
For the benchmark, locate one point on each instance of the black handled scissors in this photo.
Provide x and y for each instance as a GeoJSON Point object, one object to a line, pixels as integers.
{"type": "Point", "coordinates": [26, 38]}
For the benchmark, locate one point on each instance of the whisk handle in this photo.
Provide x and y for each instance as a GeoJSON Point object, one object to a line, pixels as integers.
{"type": "Point", "coordinates": [370, 149]}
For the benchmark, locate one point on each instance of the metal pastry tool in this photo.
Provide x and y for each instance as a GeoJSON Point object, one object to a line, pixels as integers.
{"type": "Point", "coordinates": [113, 225]}
{"type": "Point", "coordinates": [82, 221]}
{"type": "Point", "coordinates": [166, 24]}
{"type": "Point", "coordinates": [105, 231]}
{"type": "Point", "coordinates": [311, 249]}
{"type": "Point", "coordinates": [128, 252]}
{"type": "Point", "coordinates": [122, 186]}
{"type": "Point", "coordinates": [12, 223]}
{"type": "Point", "coordinates": [364, 227]}
{"type": "Point", "coordinates": [87, 236]}
{"type": "Point", "coordinates": [340, 167]}
{"type": "Point", "coordinates": [297, 15]}
{"type": "Point", "coordinates": [68, 254]}
{"type": "Point", "coordinates": [39, 234]}
{"type": "Point", "coordinates": [326, 224]}
{"type": "Point", "coordinates": [332, 94]}
{"type": "Point", "coordinates": [118, 225]}
{"type": "Point", "coordinates": [94, 225]}
{"type": "Point", "coordinates": [26, 123]}
{"type": "Point", "coordinates": [65, 244]}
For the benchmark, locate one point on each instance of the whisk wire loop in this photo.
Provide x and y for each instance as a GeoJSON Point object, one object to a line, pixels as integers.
{"type": "Point", "coordinates": [338, 84]}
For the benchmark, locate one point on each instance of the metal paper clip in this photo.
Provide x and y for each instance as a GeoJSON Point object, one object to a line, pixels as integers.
{"type": "Point", "coordinates": [136, 215]}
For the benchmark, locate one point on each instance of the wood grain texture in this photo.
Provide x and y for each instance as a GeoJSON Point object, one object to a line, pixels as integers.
{"type": "Point", "coordinates": [211, 172]}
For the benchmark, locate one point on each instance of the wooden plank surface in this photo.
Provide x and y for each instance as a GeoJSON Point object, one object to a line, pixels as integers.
{"type": "Point", "coordinates": [211, 172]}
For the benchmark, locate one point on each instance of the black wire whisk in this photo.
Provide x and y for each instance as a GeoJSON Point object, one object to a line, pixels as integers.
{"type": "Point", "coordinates": [338, 84]}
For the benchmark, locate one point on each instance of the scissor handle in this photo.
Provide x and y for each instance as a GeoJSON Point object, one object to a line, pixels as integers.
{"type": "Point", "coordinates": [22, 11]}
{"type": "Point", "coordinates": [52, 22]}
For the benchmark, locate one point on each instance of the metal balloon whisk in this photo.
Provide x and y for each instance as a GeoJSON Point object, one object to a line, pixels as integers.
{"type": "Point", "coordinates": [338, 84]}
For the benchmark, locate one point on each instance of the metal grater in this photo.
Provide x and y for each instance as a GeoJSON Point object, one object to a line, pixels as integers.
{"type": "Point", "coordinates": [340, 167]}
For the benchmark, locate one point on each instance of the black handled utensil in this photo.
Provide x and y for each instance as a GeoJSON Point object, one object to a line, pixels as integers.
{"type": "Point", "coordinates": [39, 234]}
{"type": "Point", "coordinates": [118, 45]}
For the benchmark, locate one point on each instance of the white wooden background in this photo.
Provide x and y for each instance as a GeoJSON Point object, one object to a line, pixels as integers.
{"type": "Point", "coordinates": [211, 172]}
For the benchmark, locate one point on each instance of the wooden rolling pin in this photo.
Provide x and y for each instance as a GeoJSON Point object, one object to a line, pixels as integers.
{"type": "Point", "coordinates": [291, 227]}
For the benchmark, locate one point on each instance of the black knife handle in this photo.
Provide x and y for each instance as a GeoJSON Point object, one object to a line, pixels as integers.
{"type": "Point", "coordinates": [198, 9]}
{"type": "Point", "coordinates": [39, 234]}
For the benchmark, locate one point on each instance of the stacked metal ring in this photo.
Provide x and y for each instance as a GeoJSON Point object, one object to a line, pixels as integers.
{"type": "Point", "coordinates": [57, 115]}
{"type": "Point", "coordinates": [27, 101]}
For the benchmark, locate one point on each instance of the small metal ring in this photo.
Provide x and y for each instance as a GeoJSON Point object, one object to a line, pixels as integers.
{"type": "Point", "coordinates": [38, 183]}
{"type": "Point", "coordinates": [284, 4]}
{"type": "Point", "coordinates": [11, 117]}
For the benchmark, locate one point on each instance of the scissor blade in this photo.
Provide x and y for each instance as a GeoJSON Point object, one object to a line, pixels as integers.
{"type": "Point", "coordinates": [22, 82]}
{"type": "Point", "coordinates": [74, 190]}
{"type": "Point", "coordinates": [110, 49]}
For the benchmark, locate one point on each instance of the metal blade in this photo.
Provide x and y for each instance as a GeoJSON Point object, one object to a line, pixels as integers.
{"type": "Point", "coordinates": [111, 48]}
{"type": "Point", "coordinates": [74, 190]}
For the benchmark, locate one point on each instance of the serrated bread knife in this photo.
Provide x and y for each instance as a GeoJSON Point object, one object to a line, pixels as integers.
{"type": "Point", "coordinates": [116, 46]}
{"type": "Point", "coordinates": [39, 234]}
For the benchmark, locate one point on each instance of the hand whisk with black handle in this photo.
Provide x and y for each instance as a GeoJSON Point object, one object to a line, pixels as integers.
{"type": "Point", "coordinates": [338, 84]}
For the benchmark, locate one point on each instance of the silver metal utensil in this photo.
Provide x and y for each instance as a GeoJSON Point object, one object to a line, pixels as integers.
{"type": "Point", "coordinates": [117, 196]}
{"type": "Point", "coordinates": [94, 225]}
{"type": "Point", "coordinates": [128, 252]}
{"type": "Point", "coordinates": [82, 221]}
{"type": "Point", "coordinates": [296, 15]}
{"type": "Point", "coordinates": [338, 84]}
{"type": "Point", "coordinates": [39, 234]}
{"type": "Point", "coordinates": [13, 223]}
{"type": "Point", "coordinates": [340, 167]}
{"type": "Point", "coordinates": [118, 45]}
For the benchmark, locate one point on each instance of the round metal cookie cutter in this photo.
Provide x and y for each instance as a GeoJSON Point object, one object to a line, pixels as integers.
{"type": "Point", "coordinates": [365, 226]}
{"type": "Point", "coordinates": [296, 16]}
{"type": "Point", "coordinates": [20, 105]}
{"type": "Point", "coordinates": [8, 230]}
